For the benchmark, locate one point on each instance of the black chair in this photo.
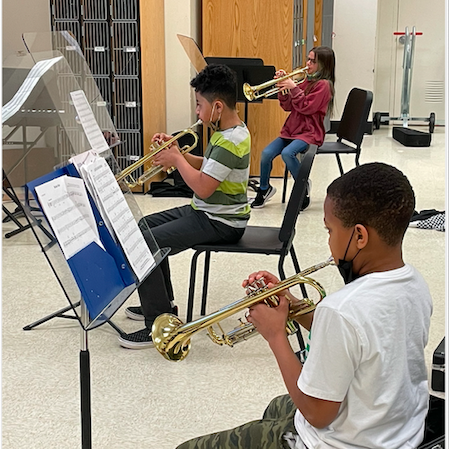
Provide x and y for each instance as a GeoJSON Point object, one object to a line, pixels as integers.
{"type": "Point", "coordinates": [352, 126]}
{"type": "Point", "coordinates": [259, 239]}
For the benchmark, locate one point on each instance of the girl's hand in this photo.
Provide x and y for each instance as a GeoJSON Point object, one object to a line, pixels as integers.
{"type": "Point", "coordinates": [287, 84]}
{"type": "Point", "coordinates": [280, 73]}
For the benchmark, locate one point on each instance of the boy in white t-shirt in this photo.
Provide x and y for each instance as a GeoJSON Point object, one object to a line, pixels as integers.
{"type": "Point", "coordinates": [364, 383]}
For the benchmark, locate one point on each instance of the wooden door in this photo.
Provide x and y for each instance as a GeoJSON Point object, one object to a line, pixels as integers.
{"type": "Point", "coordinates": [153, 72]}
{"type": "Point", "coordinates": [253, 29]}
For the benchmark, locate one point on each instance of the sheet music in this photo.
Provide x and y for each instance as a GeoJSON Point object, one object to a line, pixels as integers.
{"type": "Point", "coordinates": [66, 205]}
{"type": "Point", "coordinates": [113, 206]}
{"type": "Point", "coordinates": [88, 122]}
{"type": "Point", "coordinates": [33, 77]}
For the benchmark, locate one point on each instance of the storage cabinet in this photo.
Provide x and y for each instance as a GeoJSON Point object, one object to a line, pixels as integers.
{"type": "Point", "coordinates": [114, 45]}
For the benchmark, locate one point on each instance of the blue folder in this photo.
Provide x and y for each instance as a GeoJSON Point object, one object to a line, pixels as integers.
{"type": "Point", "coordinates": [101, 275]}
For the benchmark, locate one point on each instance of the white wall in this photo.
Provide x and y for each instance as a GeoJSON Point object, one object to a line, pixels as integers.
{"type": "Point", "coordinates": [354, 46]}
{"type": "Point", "coordinates": [181, 17]}
{"type": "Point", "coordinates": [428, 70]}
{"type": "Point", "coordinates": [22, 16]}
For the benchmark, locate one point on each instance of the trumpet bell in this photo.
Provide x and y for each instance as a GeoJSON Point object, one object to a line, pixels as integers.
{"type": "Point", "coordinates": [249, 92]}
{"type": "Point", "coordinates": [163, 333]}
{"type": "Point", "coordinates": [266, 89]}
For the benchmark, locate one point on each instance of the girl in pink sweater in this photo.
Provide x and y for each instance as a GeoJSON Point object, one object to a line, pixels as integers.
{"type": "Point", "coordinates": [308, 103]}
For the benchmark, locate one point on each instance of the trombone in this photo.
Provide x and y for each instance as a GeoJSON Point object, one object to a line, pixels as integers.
{"type": "Point", "coordinates": [255, 92]}
{"type": "Point", "coordinates": [126, 174]}
{"type": "Point", "coordinates": [172, 338]}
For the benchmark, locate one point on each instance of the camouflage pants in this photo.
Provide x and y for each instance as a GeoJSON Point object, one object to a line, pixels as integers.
{"type": "Point", "coordinates": [266, 433]}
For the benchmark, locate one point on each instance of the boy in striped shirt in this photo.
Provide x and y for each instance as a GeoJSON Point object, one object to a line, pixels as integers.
{"type": "Point", "coordinates": [219, 210]}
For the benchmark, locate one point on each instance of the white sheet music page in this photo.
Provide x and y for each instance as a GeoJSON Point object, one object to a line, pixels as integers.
{"type": "Point", "coordinates": [66, 205]}
{"type": "Point", "coordinates": [88, 122]}
{"type": "Point", "coordinates": [113, 205]}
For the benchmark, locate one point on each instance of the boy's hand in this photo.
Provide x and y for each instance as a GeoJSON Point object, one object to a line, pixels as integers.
{"type": "Point", "coordinates": [270, 322]}
{"type": "Point", "coordinates": [161, 138]}
{"type": "Point", "coordinates": [168, 157]}
{"type": "Point", "coordinates": [268, 277]}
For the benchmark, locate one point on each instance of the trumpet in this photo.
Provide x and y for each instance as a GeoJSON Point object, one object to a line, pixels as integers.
{"type": "Point", "coordinates": [255, 92]}
{"type": "Point", "coordinates": [172, 338]}
{"type": "Point", "coordinates": [155, 148]}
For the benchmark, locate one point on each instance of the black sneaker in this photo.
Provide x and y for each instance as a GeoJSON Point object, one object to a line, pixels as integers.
{"type": "Point", "coordinates": [262, 197]}
{"type": "Point", "coordinates": [135, 313]}
{"type": "Point", "coordinates": [137, 340]}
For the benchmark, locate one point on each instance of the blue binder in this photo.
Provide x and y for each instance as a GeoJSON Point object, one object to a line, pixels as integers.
{"type": "Point", "coordinates": [101, 275]}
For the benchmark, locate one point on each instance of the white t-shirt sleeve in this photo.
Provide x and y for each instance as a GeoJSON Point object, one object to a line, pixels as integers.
{"type": "Point", "coordinates": [330, 366]}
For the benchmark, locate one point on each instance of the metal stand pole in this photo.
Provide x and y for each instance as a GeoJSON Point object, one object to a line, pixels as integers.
{"type": "Point", "coordinates": [86, 422]}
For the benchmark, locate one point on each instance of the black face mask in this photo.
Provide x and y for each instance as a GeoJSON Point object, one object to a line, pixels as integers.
{"type": "Point", "coordinates": [345, 266]}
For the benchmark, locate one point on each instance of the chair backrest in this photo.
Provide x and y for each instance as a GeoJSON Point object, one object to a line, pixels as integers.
{"type": "Point", "coordinates": [355, 116]}
{"type": "Point", "coordinates": [297, 196]}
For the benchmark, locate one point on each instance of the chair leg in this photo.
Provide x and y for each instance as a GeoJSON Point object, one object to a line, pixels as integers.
{"type": "Point", "coordinates": [297, 270]}
{"type": "Point", "coordinates": [192, 286]}
{"type": "Point", "coordinates": [205, 282]}
{"type": "Point", "coordinates": [301, 343]}
{"type": "Point", "coordinates": [339, 164]}
{"type": "Point", "coordinates": [284, 190]}
{"type": "Point", "coordinates": [281, 267]}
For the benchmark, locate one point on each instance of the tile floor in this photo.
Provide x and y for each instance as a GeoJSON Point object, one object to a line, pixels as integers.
{"type": "Point", "coordinates": [139, 399]}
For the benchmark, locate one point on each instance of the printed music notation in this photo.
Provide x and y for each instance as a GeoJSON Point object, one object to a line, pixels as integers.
{"type": "Point", "coordinates": [66, 205]}
{"type": "Point", "coordinates": [114, 208]}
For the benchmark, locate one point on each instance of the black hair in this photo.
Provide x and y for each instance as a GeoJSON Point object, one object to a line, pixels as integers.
{"type": "Point", "coordinates": [217, 82]}
{"type": "Point", "coordinates": [376, 195]}
{"type": "Point", "coordinates": [325, 58]}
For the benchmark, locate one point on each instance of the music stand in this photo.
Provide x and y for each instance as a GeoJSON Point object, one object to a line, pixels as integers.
{"type": "Point", "coordinates": [251, 71]}
{"type": "Point", "coordinates": [248, 70]}
{"type": "Point", "coordinates": [98, 278]}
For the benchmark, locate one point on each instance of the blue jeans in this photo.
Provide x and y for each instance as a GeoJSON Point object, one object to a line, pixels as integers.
{"type": "Point", "coordinates": [288, 149]}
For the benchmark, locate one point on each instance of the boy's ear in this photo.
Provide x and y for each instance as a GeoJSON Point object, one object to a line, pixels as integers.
{"type": "Point", "coordinates": [219, 106]}
{"type": "Point", "coordinates": [361, 236]}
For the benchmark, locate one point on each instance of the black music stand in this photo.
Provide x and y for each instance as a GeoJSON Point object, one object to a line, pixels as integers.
{"type": "Point", "coordinates": [251, 71]}
{"type": "Point", "coordinates": [248, 70]}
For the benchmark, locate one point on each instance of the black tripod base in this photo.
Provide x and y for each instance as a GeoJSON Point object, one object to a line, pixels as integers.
{"type": "Point", "coordinates": [61, 314]}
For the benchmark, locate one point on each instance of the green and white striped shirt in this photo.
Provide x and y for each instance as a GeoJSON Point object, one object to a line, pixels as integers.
{"type": "Point", "coordinates": [227, 159]}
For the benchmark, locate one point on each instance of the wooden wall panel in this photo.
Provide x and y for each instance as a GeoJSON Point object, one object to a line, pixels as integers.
{"type": "Point", "coordinates": [318, 23]}
{"type": "Point", "coordinates": [253, 29]}
{"type": "Point", "coordinates": [153, 69]}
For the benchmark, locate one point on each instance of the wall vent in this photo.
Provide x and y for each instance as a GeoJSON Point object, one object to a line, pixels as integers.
{"type": "Point", "coordinates": [434, 92]}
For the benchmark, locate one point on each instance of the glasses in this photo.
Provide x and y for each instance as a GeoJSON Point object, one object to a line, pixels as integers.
{"type": "Point", "coordinates": [313, 61]}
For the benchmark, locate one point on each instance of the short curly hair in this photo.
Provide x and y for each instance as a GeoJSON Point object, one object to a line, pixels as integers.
{"type": "Point", "coordinates": [376, 195]}
{"type": "Point", "coordinates": [217, 82]}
